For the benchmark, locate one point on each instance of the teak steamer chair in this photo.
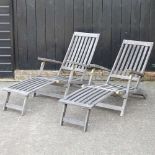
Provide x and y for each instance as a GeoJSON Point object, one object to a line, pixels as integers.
{"type": "Point", "coordinates": [129, 66]}
{"type": "Point", "coordinates": [77, 60]}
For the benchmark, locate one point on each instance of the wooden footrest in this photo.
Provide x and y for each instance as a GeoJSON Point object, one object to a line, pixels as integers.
{"type": "Point", "coordinates": [73, 121]}
{"type": "Point", "coordinates": [14, 107]}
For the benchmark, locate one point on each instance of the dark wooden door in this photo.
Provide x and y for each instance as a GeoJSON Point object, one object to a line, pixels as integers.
{"type": "Point", "coordinates": [6, 39]}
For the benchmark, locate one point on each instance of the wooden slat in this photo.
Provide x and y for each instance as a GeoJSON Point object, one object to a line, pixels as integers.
{"type": "Point", "coordinates": [135, 19]}
{"type": "Point", "coordinates": [126, 19]}
{"type": "Point", "coordinates": [129, 60]}
{"type": "Point", "coordinates": [4, 31]}
{"type": "Point", "coordinates": [82, 50]}
{"type": "Point", "coordinates": [40, 28]}
{"type": "Point", "coordinates": [73, 121]}
{"type": "Point", "coordinates": [4, 6]}
{"type": "Point", "coordinates": [69, 23]}
{"type": "Point", "coordinates": [109, 106]}
{"type": "Point", "coordinates": [75, 39]}
{"type": "Point", "coordinates": [50, 32]}
{"type": "Point", "coordinates": [125, 60]}
{"type": "Point", "coordinates": [94, 96]}
{"type": "Point", "coordinates": [75, 50]}
{"type": "Point", "coordinates": [88, 19]}
{"type": "Point", "coordinates": [5, 15]}
{"type": "Point", "coordinates": [59, 29]}
{"type": "Point", "coordinates": [106, 34]}
{"type": "Point", "coordinates": [140, 52]}
{"type": "Point", "coordinates": [79, 94]}
{"type": "Point", "coordinates": [85, 97]}
{"type": "Point", "coordinates": [4, 23]}
{"type": "Point", "coordinates": [134, 57]}
{"type": "Point", "coordinates": [15, 107]}
{"type": "Point", "coordinates": [32, 33]}
{"type": "Point", "coordinates": [122, 54]}
{"type": "Point", "coordinates": [89, 52]}
{"type": "Point", "coordinates": [85, 50]}
{"type": "Point", "coordinates": [116, 27]}
{"type": "Point", "coordinates": [145, 14]}
{"type": "Point", "coordinates": [147, 58]}
{"type": "Point", "coordinates": [78, 15]}
{"type": "Point", "coordinates": [22, 34]}
{"type": "Point", "coordinates": [142, 59]}
{"type": "Point", "coordinates": [79, 53]}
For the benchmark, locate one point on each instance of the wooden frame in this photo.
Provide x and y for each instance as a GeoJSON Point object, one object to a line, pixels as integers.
{"type": "Point", "coordinates": [77, 59]}
{"type": "Point", "coordinates": [129, 65]}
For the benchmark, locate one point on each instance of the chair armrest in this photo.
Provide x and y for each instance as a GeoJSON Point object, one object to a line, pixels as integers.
{"type": "Point", "coordinates": [76, 63]}
{"type": "Point", "coordinates": [132, 72]}
{"type": "Point", "coordinates": [98, 67]}
{"type": "Point", "coordinates": [49, 60]}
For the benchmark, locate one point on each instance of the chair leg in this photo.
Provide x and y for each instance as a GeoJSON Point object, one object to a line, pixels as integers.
{"type": "Point", "coordinates": [86, 120]}
{"type": "Point", "coordinates": [63, 114]}
{"type": "Point", "coordinates": [67, 90]}
{"type": "Point", "coordinates": [7, 100]}
{"type": "Point", "coordinates": [123, 106]}
{"type": "Point", "coordinates": [34, 94]}
{"type": "Point", "coordinates": [24, 106]}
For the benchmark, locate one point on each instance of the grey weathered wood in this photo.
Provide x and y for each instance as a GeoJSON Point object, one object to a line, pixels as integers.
{"type": "Point", "coordinates": [109, 106]}
{"type": "Point", "coordinates": [129, 65]}
{"type": "Point", "coordinates": [6, 101]}
{"type": "Point", "coordinates": [71, 63]}
{"type": "Point", "coordinates": [73, 121]}
{"type": "Point", "coordinates": [14, 107]}
{"type": "Point", "coordinates": [63, 114]}
{"type": "Point", "coordinates": [86, 120]}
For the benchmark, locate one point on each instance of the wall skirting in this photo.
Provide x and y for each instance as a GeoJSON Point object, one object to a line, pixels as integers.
{"type": "Point", "coordinates": [25, 74]}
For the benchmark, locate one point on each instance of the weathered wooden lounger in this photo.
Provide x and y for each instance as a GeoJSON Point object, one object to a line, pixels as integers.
{"type": "Point", "coordinates": [77, 59]}
{"type": "Point", "coordinates": [129, 66]}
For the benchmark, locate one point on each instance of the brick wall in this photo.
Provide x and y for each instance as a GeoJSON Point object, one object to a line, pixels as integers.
{"type": "Point", "coordinates": [99, 75]}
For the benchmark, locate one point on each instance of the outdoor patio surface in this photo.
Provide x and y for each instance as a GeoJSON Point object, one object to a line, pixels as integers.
{"type": "Point", "coordinates": [39, 131]}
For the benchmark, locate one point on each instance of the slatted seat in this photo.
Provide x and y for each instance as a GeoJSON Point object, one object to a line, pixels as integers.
{"type": "Point", "coordinates": [28, 86]}
{"type": "Point", "coordinates": [89, 96]}
{"type": "Point", "coordinates": [129, 65]}
{"type": "Point", "coordinates": [77, 60]}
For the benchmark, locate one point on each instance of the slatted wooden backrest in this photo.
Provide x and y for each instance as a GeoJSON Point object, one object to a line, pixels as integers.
{"type": "Point", "coordinates": [133, 55]}
{"type": "Point", "coordinates": [80, 50]}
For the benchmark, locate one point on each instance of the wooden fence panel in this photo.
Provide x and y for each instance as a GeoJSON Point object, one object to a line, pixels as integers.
{"type": "Point", "coordinates": [44, 27]}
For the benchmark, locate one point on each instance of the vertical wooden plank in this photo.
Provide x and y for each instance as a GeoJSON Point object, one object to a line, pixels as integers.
{"type": "Point", "coordinates": [69, 22]}
{"type": "Point", "coordinates": [11, 43]}
{"type": "Point", "coordinates": [59, 29]}
{"type": "Point", "coordinates": [50, 34]}
{"type": "Point", "coordinates": [31, 34]}
{"type": "Point", "coordinates": [15, 24]}
{"type": "Point", "coordinates": [135, 19]}
{"type": "Point", "coordinates": [88, 15]}
{"type": "Point", "coordinates": [116, 27]}
{"type": "Point", "coordinates": [78, 15]}
{"type": "Point", "coordinates": [22, 34]}
{"type": "Point", "coordinates": [106, 51]}
{"type": "Point", "coordinates": [145, 19]}
{"type": "Point", "coordinates": [97, 28]}
{"type": "Point", "coordinates": [41, 29]}
{"type": "Point", "coordinates": [152, 35]}
{"type": "Point", "coordinates": [126, 19]}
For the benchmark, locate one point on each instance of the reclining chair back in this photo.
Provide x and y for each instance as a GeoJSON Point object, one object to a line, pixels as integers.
{"type": "Point", "coordinates": [80, 50]}
{"type": "Point", "coordinates": [132, 56]}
